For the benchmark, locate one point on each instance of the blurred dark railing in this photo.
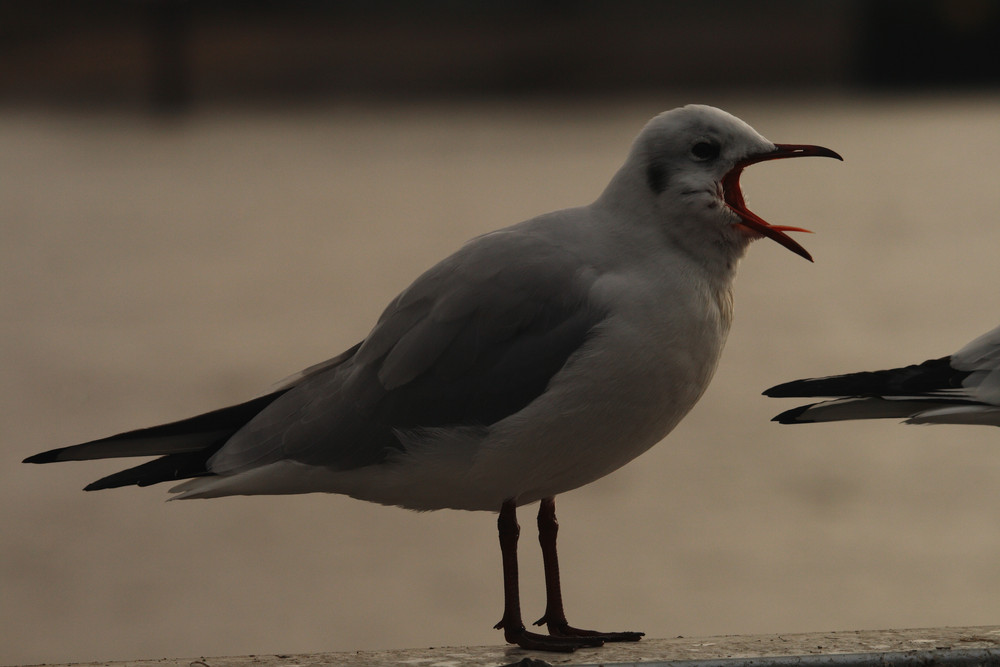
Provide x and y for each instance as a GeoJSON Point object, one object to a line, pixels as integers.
{"type": "Point", "coordinates": [173, 53]}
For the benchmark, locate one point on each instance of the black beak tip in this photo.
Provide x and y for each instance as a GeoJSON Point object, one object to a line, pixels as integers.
{"type": "Point", "coordinates": [834, 154]}
{"type": "Point", "coordinates": [821, 151]}
{"type": "Point", "coordinates": [804, 150]}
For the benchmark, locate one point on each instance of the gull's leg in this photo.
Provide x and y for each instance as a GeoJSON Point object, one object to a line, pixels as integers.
{"type": "Point", "coordinates": [554, 617]}
{"type": "Point", "coordinates": [513, 627]}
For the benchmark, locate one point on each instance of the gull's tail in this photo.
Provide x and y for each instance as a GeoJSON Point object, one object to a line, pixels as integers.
{"type": "Point", "coordinates": [183, 446]}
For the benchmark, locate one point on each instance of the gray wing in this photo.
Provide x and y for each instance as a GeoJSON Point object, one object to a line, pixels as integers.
{"type": "Point", "coordinates": [981, 358]}
{"type": "Point", "coordinates": [473, 340]}
{"type": "Point", "coordinates": [982, 354]}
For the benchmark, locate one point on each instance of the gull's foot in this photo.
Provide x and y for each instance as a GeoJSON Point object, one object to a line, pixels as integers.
{"type": "Point", "coordinates": [533, 641]}
{"type": "Point", "coordinates": [563, 629]}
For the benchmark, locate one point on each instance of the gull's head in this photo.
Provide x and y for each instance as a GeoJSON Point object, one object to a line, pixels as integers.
{"type": "Point", "coordinates": [689, 161]}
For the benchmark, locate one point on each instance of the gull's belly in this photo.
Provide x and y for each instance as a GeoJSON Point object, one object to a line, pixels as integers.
{"type": "Point", "coordinates": [608, 406]}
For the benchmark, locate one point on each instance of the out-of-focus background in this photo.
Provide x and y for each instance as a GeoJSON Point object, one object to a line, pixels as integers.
{"type": "Point", "coordinates": [199, 198]}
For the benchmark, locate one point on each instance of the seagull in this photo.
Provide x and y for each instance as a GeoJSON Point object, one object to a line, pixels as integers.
{"type": "Point", "coordinates": [532, 361]}
{"type": "Point", "coordinates": [961, 388]}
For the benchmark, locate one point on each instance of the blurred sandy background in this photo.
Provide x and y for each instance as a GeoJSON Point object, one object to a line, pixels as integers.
{"type": "Point", "coordinates": [153, 267]}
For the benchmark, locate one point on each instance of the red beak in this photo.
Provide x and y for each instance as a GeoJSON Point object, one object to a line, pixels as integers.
{"type": "Point", "coordinates": [734, 196]}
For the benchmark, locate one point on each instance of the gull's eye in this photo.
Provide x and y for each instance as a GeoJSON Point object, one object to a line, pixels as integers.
{"type": "Point", "coordinates": [705, 150]}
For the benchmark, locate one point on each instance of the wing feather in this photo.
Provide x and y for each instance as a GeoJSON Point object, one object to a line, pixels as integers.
{"type": "Point", "coordinates": [963, 388]}
{"type": "Point", "coordinates": [473, 340]}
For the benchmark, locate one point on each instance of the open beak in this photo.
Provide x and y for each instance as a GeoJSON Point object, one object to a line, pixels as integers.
{"type": "Point", "coordinates": [733, 196]}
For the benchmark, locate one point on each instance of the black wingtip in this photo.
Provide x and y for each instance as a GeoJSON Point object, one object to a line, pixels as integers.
{"type": "Point", "coordinates": [783, 390]}
{"type": "Point", "coordinates": [50, 456]}
{"type": "Point", "coordinates": [792, 416]}
{"type": "Point", "coordinates": [118, 480]}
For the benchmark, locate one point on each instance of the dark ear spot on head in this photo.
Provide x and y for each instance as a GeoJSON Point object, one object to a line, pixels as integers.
{"type": "Point", "coordinates": [657, 176]}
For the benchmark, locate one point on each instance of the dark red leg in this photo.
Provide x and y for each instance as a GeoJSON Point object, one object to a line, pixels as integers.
{"type": "Point", "coordinates": [511, 623]}
{"type": "Point", "coordinates": [554, 617]}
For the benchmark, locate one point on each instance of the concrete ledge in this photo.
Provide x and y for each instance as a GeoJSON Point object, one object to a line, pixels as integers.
{"type": "Point", "coordinates": [964, 647]}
